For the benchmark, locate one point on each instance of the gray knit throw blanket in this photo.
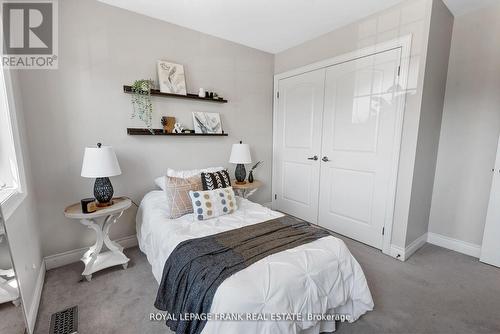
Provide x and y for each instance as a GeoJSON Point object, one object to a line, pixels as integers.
{"type": "Point", "coordinates": [197, 267]}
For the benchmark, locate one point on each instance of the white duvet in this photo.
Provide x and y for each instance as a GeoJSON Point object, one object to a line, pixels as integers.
{"type": "Point", "coordinates": [321, 277]}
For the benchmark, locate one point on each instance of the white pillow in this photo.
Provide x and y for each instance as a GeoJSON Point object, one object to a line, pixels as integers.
{"type": "Point", "coordinates": [209, 204]}
{"type": "Point", "coordinates": [184, 174]}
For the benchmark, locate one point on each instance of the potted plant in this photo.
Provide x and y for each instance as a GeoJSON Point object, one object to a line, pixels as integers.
{"type": "Point", "coordinates": [141, 101]}
{"type": "Point", "coordinates": [250, 175]}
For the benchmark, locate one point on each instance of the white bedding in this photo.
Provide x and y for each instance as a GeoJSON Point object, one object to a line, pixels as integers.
{"type": "Point", "coordinates": [321, 277]}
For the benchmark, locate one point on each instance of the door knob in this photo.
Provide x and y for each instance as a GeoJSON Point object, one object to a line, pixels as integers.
{"type": "Point", "coordinates": [325, 159]}
{"type": "Point", "coordinates": [313, 158]}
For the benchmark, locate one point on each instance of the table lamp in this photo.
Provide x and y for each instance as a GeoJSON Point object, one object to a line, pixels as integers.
{"type": "Point", "coordinates": [100, 163]}
{"type": "Point", "coordinates": [240, 155]}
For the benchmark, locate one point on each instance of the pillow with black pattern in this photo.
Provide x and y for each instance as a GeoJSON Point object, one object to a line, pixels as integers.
{"type": "Point", "coordinates": [215, 180]}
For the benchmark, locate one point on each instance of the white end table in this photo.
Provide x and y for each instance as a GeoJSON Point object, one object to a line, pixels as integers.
{"type": "Point", "coordinates": [93, 259]}
{"type": "Point", "coordinates": [246, 190]}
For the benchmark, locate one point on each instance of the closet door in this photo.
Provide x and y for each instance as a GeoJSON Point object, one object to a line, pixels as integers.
{"type": "Point", "coordinates": [297, 145]}
{"type": "Point", "coordinates": [358, 166]}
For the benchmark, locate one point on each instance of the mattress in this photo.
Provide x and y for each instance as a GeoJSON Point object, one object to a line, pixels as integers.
{"type": "Point", "coordinates": [303, 285]}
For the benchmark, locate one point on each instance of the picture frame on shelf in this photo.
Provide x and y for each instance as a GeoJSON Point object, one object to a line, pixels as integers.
{"type": "Point", "coordinates": [207, 122]}
{"type": "Point", "coordinates": [171, 78]}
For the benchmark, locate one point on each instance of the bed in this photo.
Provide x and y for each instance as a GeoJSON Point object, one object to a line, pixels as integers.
{"type": "Point", "coordinates": [314, 280]}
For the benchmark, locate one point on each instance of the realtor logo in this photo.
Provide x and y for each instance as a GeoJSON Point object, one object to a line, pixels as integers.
{"type": "Point", "coordinates": [29, 34]}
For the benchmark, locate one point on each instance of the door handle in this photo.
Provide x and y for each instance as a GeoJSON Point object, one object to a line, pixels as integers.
{"type": "Point", "coordinates": [325, 159]}
{"type": "Point", "coordinates": [313, 158]}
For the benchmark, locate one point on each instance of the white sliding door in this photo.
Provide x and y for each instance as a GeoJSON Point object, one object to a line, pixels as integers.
{"type": "Point", "coordinates": [360, 146]}
{"type": "Point", "coordinates": [297, 141]}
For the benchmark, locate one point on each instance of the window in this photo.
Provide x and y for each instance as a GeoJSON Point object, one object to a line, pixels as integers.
{"type": "Point", "coordinates": [11, 184]}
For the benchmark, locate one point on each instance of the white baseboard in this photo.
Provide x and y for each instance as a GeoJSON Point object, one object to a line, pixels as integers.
{"type": "Point", "coordinates": [456, 245]}
{"type": "Point", "coordinates": [32, 310]}
{"type": "Point", "coordinates": [403, 254]}
{"type": "Point", "coordinates": [415, 245]}
{"type": "Point", "coordinates": [62, 259]}
{"type": "Point", "coordinates": [397, 252]}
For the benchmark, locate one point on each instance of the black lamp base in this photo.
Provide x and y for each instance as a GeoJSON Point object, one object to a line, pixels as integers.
{"type": "Point", "coordinates": [240, 173]}
{"type": "Point", "coordinates": [103, 191]}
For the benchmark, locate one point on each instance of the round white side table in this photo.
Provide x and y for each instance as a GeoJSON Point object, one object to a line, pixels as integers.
{"type": "Point", "coordinates": [247, 189]}
{"type": "Point", "coordinates": [100, 221]}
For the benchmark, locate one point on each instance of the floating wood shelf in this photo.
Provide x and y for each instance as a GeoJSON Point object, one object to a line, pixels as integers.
{"type": "Point", "coordinates": [156, 92]}
{"type": "Point", "coordinates": [159, 132]}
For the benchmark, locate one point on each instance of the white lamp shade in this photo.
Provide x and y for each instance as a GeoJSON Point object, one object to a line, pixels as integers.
{"type": "Point", "coordinates": [100, 162]}
{"type": "Point", "coordinates": [240, 154]}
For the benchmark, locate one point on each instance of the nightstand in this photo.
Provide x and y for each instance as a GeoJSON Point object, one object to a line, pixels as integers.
{"type": "Point", "coordinates": [93, 259]}
{"type": "Point", "coordinates": [247, 189]}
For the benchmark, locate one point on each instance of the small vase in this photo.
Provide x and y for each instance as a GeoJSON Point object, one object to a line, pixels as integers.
{"type": "Point", "coordinates": [250, 176]}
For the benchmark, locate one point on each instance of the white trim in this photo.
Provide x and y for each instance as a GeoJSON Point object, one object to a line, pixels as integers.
{"type": "Point", "coordinates": [72, 256]}
{"type": "Point", "coordinates": [456, 245]}
{"type": "Point", "coordinates": [415, 245]}
{"type": "Point", "coordinates": [10, 205]}
{"type": "Point", "coordinates": [397, 252]}
{"type": "Point", "coordinates": [32, 312]}
{"type": "Point", "coordinates": [403, 254]}
{"type": "Point", "coordinates": [12, 201]}
{"type": "Point", "coordinates": [404, 43]}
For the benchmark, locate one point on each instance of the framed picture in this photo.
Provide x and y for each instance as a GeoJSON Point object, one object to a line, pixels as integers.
{"type": "Point", "coordinates": [171, 78]}
{"type": "Point", "coordinates": [207, 122]}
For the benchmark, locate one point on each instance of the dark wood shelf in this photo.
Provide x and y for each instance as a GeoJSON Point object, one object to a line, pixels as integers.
{"type": "Point", "coordinates": [159, 132]}
{"type": "Point", "coordinates": [156, 92]}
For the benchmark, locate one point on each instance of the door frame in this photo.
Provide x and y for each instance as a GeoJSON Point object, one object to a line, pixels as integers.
{"type": "Point", "coordinates": [404, 43]}
{"type": "Point", "coordinates": [487, 255]}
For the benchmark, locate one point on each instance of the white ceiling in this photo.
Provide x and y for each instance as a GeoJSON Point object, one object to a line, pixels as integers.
{"type": "Point", "coordinates": [269, 25]}
{"type": "Point", "coordinates": [460, 7]}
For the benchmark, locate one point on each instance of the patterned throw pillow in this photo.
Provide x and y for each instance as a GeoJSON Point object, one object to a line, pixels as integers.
{"type": "Point", "coordinates": [213, 203]}
{"type": "Point", "coordinates": [216, 180]}
{"type": "Point", "coordinates": [177, 190]}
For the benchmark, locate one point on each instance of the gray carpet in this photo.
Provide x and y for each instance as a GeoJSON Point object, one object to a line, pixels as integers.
{"type": "Point", "coordinates": [11, 319]}
{"type": "Point", "coordinates": [435, 291]}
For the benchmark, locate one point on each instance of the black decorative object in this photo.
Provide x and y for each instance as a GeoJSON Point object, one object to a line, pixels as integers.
{"type": "Point", "coordinates": [156, 92]}
{"type": "Point", "coordinates": [101, 163]}
{"type": "Point", "coordinates": [240, 173]}
{"type": "Point", "coordinates": [240, 155]}
{"type": "Point", "coordinates": [103, 190]}
{"type": "Point", "coordinates": [250, 175]}
{"type": "Point", "coordinates": [160, 132]}
{"type": "Point", "coordinates": [88, 205]}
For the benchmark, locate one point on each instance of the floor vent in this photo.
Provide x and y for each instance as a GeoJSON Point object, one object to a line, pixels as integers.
{"type": "Point", "coordinates": [65, 321]}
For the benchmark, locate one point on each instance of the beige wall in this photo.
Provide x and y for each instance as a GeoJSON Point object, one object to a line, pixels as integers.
{"type": "Point", "coordinates": [409, 17]}
{"type": "Point", "coordinates": [81, 103]}
{"type": "Point", "coordinates": [436, 69]}
{"type": "Point", "coordinates": [470, 128]}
